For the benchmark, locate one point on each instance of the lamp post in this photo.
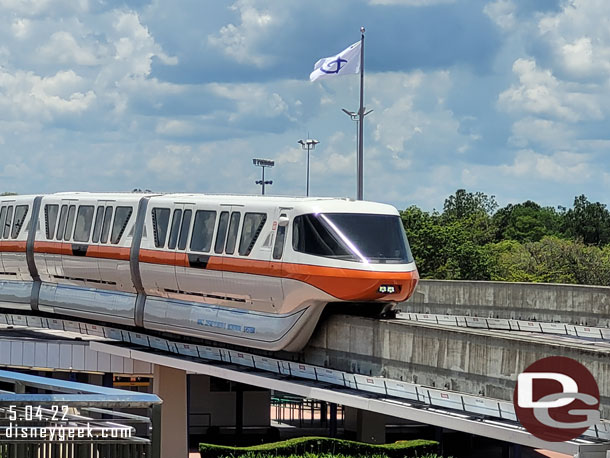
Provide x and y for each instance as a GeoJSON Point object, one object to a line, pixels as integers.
{"type": "Point", "coordinates": [263, 163]}
{"type": "Point", "coordinates": [359, 118]}
{"type": "Point", "coordinates": [308, 145]}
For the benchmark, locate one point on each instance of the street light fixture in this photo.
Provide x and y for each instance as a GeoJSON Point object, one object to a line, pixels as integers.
{"type": "Point", "coordinates": [308, 145]}
{"type": "Point", "coordinates": [263, 163]}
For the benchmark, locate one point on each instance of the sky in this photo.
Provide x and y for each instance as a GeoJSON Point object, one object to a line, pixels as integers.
{"type": "Point", "coordinates": [507, 97]}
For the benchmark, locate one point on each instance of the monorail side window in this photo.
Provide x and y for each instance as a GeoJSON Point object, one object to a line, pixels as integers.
{"type": "Point", "coordinates": [7, 224]}
{"type": "Point", "coordinates": [280, 238]}
{"type": "Point", "coordinates": [97, 227]}
{"type": "Point", "coordinates": [184, 229]}
{"type": "Point", "coordinates": [160, 219]}
{"type": "Point", "coordinates": [173, 235]}
{"type": "Point", "coordinates": [106, 225]}
{"type": "Point", "coordinates": [50, 219]}
{"type": "Point", "coordinates": [70, 223]}
{"type": "Point", "coordinates": [221, 232]}
{"type": "Point", "coordinates": [121, 218]}
{"type": "Point", "coordinates": [84, 220]}
{"type": "Point", "coordinates": [2, 219]}
{"type": "Point", "coordinates": [203, 231]}
{"type": "Point", "coordinates": [20, 213]}
{"type": "Point", "coordinates": [232, 235]}
{"type": "Point", "coordinates": [63, 214]}
{"type": "Point", "coordinates": [253, 225]}
{"type": "Point", "coordinates": [9, 220]}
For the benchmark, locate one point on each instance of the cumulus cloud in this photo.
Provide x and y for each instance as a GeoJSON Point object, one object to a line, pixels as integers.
{"type": "Point", "coordinates": [26, 94]}
{"type": "Point", "coordinates": [502, 12]}
{"type": "Point", "coordinates": [540, 92]}
{"type": "Point", "coordinates": [562, 166]}
{"type": "Point", "coordinates": [239, 41]}
{"type": "Point", "coordinates": [579, 41]}
{"type": "Point", "coordinates": [63, 48]}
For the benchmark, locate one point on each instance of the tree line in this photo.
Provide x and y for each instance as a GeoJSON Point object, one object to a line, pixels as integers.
{"type": "Point", "coordinates": [474, 239]}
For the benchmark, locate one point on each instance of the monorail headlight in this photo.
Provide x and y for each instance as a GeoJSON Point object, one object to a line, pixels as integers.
{"type": "Point", "coordinates": [388, 289]}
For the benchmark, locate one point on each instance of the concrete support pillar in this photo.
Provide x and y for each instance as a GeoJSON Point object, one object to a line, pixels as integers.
{"type": "Point", "coordinates": [332, 425]}
{"type": "Point", "coordinates": [170, 385]}
{"type": "Point", "coordinates": [239, 409]}
{"type": "Point", "coordinates": [370, 427]}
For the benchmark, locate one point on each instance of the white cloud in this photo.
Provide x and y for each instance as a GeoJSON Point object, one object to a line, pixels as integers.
{"type": "Point", "coordinates": [540, 93]}
{"type": "Point", "coordinates": [579, 38]}
{"type": "Point", "coordinates": [177, 127]}
{"type": "Point", "coordinates": [21, 27]}
{"type": "Point", "coordinates": [543, 132]}
{"type": "Point", "coordinates": [562, 166]}
{"type": "Point", "coordinates": [252, 100]}
{"type": "Point", "coordinates": [502, 12]}
{"type": "Point", "coordinates": [26, 94]}
{"type": "Point", "coordinates": [240, 41]}
{"type": "Point", "coordinates": [404, 113]}
{"type": "Point", "coordinates": [63, 48]}
{"type": "Point", "coordinates": [410, 2]}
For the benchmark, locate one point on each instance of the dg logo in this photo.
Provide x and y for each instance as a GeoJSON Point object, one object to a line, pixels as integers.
{"type": "Point", "coordinates": [556, 399]}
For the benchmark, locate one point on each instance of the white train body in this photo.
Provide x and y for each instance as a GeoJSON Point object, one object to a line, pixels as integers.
{"type": "Point", "coordinates": [246, 270]}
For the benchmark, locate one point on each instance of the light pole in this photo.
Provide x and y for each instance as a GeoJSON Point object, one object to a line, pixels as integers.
{"type": "Point", "coordinates": [359, 118]}
{"type": "Point", "coordinates": [263, 163]}
{"type": "Point", "coordinates": [308, 145]}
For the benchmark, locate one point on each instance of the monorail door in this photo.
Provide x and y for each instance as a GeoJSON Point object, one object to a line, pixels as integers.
{"type": "Point", "coordinates": [183, 214]}
{"type": "Point", "coordinates": [79, 266]}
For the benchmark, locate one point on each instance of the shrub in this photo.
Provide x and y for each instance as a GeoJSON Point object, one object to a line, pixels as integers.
{"type": "Point", "coordinates": [315, 447]}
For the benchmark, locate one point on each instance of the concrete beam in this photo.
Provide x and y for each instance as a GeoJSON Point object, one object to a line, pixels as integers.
{"type": "Point", "coordinates": [478, 362]}
{"type": "Point", "coordinates": [569, 304]}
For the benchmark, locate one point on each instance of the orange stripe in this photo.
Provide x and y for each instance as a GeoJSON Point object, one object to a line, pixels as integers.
{"type": "Point", "coordinates": [15, 246]}
{"type": "Point", "coordinates": [345, 284]}
{"type": "Point", "coordinates": [52, 248]}
{"type": "Point", "coordinates": [93, 251]}
{"type": "Point", "coordinates": [171, 258]}
{"type": "Point", "coordinates": [108, 252]}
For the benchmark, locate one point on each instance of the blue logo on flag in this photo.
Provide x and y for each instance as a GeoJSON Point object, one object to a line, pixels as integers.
{"type": "Point", "coordinates": [337, 62]}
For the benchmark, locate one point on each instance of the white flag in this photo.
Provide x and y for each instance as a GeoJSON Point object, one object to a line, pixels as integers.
{"type": "Point", "coordinates": [346, 62]}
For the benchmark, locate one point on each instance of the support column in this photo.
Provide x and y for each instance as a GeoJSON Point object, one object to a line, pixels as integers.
{"type": "Point", "coordinates": [170, 385]}
{"type": "Point", "coordinates": [239, 409]}
{"type": "Point", "coordinates": [332, 426]}
{"type": "Point", "coordinates": [370, 427]}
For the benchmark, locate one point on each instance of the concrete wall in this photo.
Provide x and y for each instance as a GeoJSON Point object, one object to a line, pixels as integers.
{"type": "Point", "coordinates": [570, 304]}
{"type": "Point", "coordinates": [464, 360]}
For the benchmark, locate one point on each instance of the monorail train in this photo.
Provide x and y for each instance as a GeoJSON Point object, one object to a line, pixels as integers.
{"type": "Point", "coordinates": [246, 270]}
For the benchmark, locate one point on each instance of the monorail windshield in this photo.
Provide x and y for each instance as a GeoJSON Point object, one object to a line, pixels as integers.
{"type": "Point", "coordinates": [356, 237]}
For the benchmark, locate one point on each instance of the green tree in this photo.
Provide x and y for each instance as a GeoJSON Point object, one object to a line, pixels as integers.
{"type": "Point", "coordinates": [526, 222]}
{"type": "Point", "coordinates": [445, 249]}
{"type": "Point", "coordinates": [550, 260]}
{"type": "Point", "coordinates": [588, 221]}
{"type": "Point", "coordinates": [464, 204]}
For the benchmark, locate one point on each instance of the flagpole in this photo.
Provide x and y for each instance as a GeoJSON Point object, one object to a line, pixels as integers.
{"type": "Point", "coordinates": [360, 165]}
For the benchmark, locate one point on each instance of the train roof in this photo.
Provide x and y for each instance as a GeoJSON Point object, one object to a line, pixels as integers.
{"type": "Point", "coordinates": [301, 204]}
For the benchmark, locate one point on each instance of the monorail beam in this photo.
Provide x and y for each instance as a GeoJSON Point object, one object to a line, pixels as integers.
{"type": "Point", "coordinates": [474, 361]}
